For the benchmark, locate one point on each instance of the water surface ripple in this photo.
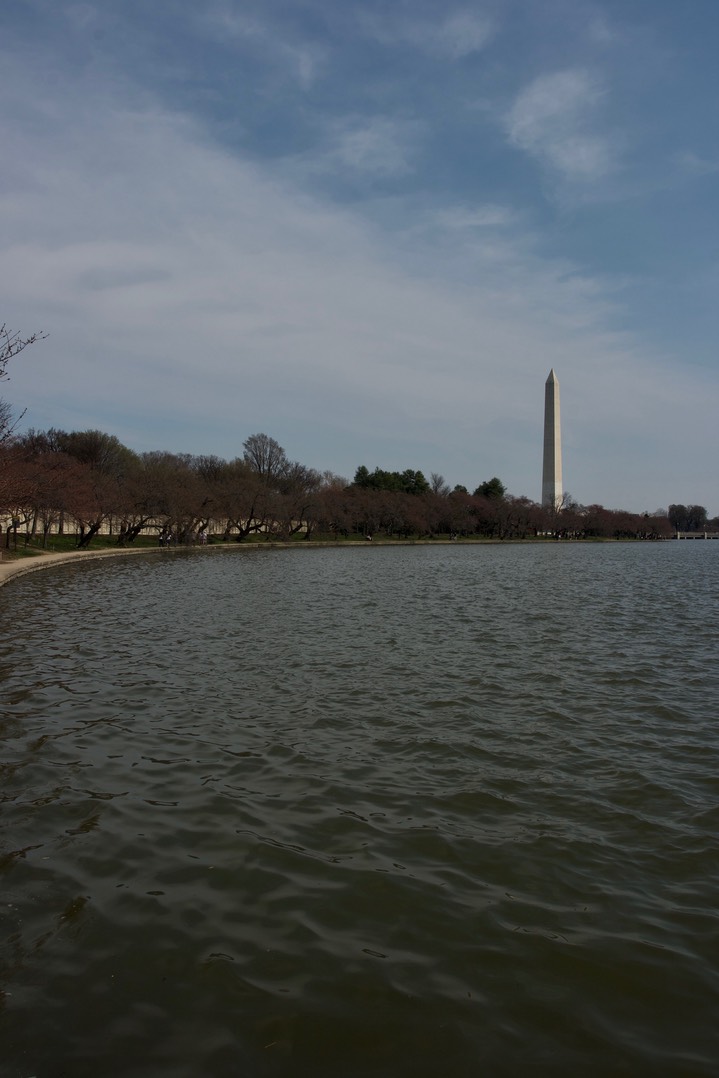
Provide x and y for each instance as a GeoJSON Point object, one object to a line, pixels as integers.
{"type": "Point", "coordinates": [387, 811]}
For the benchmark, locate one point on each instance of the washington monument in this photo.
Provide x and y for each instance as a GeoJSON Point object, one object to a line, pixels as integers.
{"type": "Point", "coordinates": [552, 493]}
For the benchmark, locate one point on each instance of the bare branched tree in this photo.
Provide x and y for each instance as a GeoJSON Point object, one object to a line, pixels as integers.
{"type": "Point", "coordinates": [439, 484]}
{"type": "Point", "coordinates": [11, 344]}
{"type": "Point", "coordinates": [266, 457]}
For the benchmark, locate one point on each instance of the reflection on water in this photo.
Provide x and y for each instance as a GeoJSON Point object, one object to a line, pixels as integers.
{"type": "Point", "coordinates": [398, 811]}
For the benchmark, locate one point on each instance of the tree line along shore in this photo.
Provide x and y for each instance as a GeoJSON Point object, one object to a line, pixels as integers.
{"type": "Point", "coordinates": [60, 488]}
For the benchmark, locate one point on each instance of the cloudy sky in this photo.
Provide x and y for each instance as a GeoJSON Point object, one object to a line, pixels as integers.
{"type": "Point", "coordinates": [369, 229]}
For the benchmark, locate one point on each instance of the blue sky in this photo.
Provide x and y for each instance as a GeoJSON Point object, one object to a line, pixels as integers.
{"type": "Point", "coordinates": [369, 230]}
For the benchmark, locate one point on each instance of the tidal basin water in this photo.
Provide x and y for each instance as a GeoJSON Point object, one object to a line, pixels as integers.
{"type": "Point", "coordinates": [401, 811]}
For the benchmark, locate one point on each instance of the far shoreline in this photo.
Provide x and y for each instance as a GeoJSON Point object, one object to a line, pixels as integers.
{"type": "Point", "coordinates": [12, 569]}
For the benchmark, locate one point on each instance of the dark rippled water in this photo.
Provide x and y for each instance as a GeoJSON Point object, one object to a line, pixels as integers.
{"type": "Point", "coordinates": [365, 811]}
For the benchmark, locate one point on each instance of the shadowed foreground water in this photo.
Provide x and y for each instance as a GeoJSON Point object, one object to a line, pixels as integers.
{"type": "Point", "coordinates": [398, 812]}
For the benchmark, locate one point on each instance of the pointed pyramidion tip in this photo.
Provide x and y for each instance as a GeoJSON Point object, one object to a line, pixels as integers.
{"type": "Point", "coordinates": [552, 377]}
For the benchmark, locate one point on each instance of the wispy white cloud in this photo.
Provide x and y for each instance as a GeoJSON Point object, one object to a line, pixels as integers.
{"type": "Point", "coordinates": [300, 58]}
{"type": "Point", "coordinates": [455, 35]}
{"type": "Point", "coordinates": [600, 30]}
{"type": "Point", "coordinates": [82, 15]}
{"type": "Point", "coordinates": [379, 146]}
{"type": "Point", "coordinates": [474, 217]}
{"type": "Point", "coordinates": [552, 119]}
{"type": "Point", "coordinates": [695, 164]}
{"type": "Point", "coordinates": [460, 34]}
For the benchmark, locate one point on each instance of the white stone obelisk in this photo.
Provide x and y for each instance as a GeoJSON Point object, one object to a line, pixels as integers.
{"type": "Point", "coordinates": [552, 492]}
